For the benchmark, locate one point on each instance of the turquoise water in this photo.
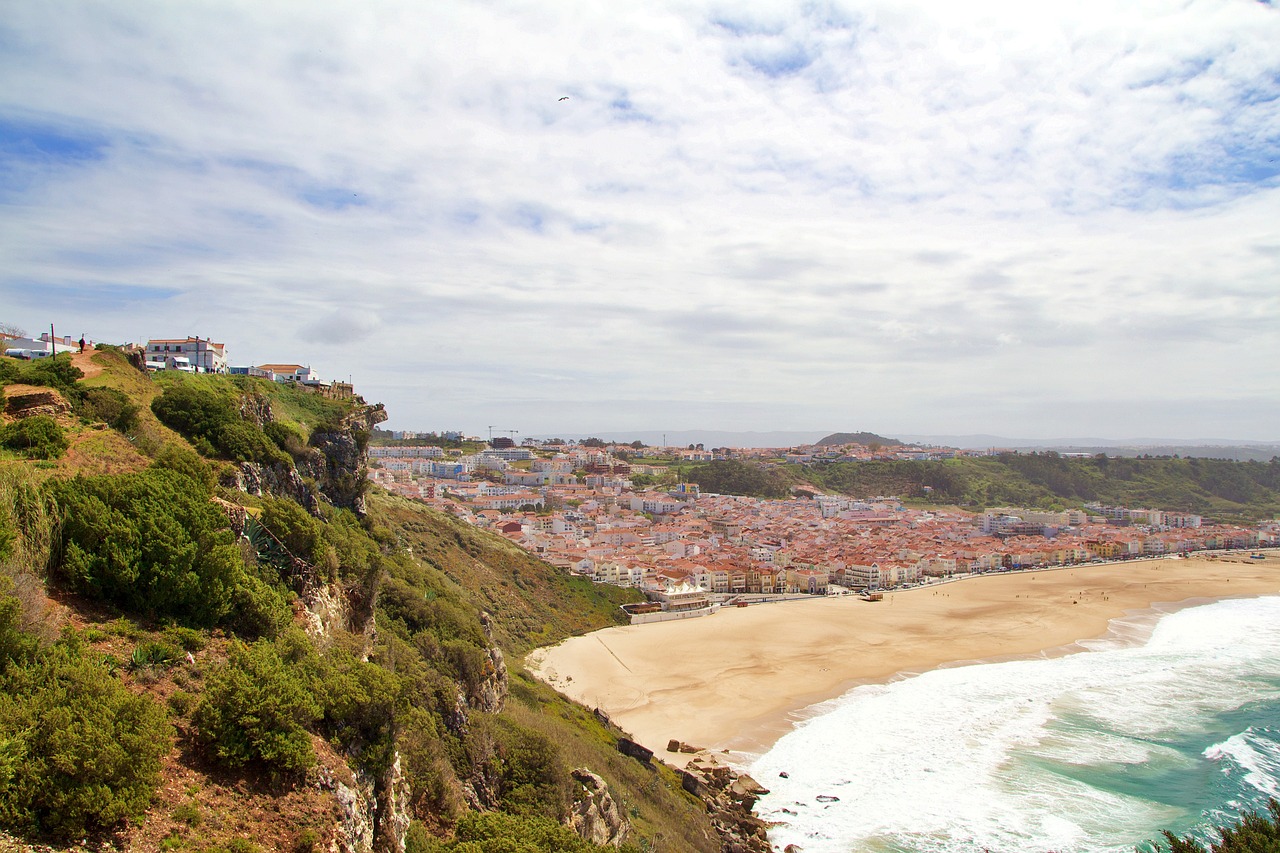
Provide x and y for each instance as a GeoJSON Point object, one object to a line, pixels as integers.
{"type": "Point", "coordinates": [1171, 724]}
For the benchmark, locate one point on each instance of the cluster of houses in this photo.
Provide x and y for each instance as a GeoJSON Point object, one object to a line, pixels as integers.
{"type": "Point", "coordinates": [579, 509]}
{"type": "Point", "coordinates": [204, 355]}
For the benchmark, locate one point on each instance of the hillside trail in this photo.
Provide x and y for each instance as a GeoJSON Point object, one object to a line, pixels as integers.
{"type": "Point", "coordinates": [84, 361]}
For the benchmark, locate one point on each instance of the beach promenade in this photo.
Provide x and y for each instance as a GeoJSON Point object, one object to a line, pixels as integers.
{"type": "Point", "coordinates": [737, 679]}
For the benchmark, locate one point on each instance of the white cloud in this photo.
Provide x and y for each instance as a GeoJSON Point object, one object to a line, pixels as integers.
{"type": "Point", "coordinates": [841, 211]}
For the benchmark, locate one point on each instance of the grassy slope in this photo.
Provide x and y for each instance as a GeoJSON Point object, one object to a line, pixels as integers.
{"type": "Point", "coordinates": [533, 603]}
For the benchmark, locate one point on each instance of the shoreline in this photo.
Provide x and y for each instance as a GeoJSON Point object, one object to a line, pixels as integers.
{"type": "Point", "coordinates": [738, 680]}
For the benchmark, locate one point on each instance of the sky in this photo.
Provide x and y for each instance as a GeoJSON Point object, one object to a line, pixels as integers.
{"type": "Point", "coordinates": [1025, 219]}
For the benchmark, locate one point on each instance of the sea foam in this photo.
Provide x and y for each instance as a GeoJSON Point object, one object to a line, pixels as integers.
{"type": "Point", "coordinates": [1087, 752]}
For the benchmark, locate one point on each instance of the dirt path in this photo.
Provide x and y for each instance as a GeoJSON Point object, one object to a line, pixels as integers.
{"type": "Point", "coordinates": [84, 361]}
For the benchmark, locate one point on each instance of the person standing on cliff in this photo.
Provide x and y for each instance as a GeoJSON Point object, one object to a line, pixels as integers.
{"type": "Point", "coordinates": [82, 343]}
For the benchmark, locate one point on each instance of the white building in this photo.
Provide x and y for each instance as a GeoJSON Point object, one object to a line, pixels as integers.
{"type": "Point", "coordinates": [195, 355]}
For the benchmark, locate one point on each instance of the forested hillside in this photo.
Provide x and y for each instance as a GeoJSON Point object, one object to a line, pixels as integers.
{"type": "Point", "coordinates": [1216, 488]}
{"type": "Point", "coordinates": [213, 639]}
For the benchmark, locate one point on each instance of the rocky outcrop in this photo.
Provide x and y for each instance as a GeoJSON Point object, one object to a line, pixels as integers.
{"type": "Point", "coordinates": [357, 811]}
{"type": "Point", "coordinates": [596, 816]}
{"type": "Point", "coordinates": [256, 409]}
{"type": "Point", "coordinates": [278, 480]}
{"type": "Point", "coordinates": [342, 471]}
{"type": "Point", "coordinates": [394, 809]}
{"type": "Point", "coordinates": [25, 401]}
{"type": "Point", "coordinates": [490, 694]}
{"type": "Point", "coordinates": [729, 798]}
{"type": "Point", "coordinates": [335, 462]}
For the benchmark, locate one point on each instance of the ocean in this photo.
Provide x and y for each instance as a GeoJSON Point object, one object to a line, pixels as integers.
{"type": "Point", "coordinates": [1172, 721]}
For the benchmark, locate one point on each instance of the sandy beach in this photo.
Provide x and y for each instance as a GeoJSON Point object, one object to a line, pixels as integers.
{"type": "Point", "coordinates": [735, 680]}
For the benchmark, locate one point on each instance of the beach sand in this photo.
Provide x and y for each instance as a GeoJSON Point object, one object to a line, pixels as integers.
{"type": "Point", "coordinates": [736, 680]}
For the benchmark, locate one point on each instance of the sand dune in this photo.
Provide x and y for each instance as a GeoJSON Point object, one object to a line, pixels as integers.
{"type": "Point", "coordinates": [735, 680]}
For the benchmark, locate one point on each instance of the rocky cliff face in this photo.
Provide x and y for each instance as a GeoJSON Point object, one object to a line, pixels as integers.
{"type": "Point", "coordinates": [278, 480]}
{"type": "Point", "coordinates": [596, 816]}
{"type": "Point", "coordinates": [335, 462]}
{"type": "Point", "coordinates": [341, 470]}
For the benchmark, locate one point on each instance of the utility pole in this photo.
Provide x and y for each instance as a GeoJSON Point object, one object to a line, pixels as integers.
{"type": "Point", "coordinates": [53, 342]}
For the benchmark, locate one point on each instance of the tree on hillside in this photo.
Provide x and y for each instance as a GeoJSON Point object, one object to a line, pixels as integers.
{"type": "Point", "coordinates": [1257, 832]}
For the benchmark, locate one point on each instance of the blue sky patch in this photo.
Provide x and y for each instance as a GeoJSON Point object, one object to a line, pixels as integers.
{"type": "Point", "coordinates": [32, 151]}
{"type": "Point", "coordinates": [86, 296]}
{"type": "Point", "coordinates": [23, 141]}
{"type": "Point", "coordinates": [782, 62]}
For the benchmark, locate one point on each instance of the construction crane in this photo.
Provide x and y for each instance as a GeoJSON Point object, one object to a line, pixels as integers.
{"type": "Point", "coordinates": [511, 432]}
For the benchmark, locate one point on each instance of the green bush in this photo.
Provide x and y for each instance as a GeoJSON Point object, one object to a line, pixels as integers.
{"type": "Point", "coordinates": [176, 457]}
{"type": "Point", "coordinates": [187, 639]}
{"type": "Point", "coordinates": [78, 751]}
{"type": "Point", "coordinates": [496, 832]}
{"type": "Point", "coordinates": [36, 437]}
{"type": "Point", "coordinates": [256, 709]}
{"type": "Point", "coordinates": [108, 406]}
{"type": "Point", "coordinates": [151, 542]}
{"type": "Point", "coordinates": [359, 701]}
{"type": "Point", "coordinates": [294, 527]}
{"type": "Point", "coordinates": [214, 426]}
{"type": "Point", "coordinates": [57, 372]}
{"type": "Point", "coordinates": [286, 438]}
{"type": "Point", "coordinates": [1256, 832]}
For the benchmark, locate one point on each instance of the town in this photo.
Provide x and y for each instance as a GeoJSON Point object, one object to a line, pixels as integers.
{"type": "Point", "coordinates": [591, 510]}
{"type": "Point", "coordinates": [596, 509]}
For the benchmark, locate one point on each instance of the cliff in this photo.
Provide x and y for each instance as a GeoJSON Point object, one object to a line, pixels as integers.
{"type": "Point", "coordinates": [334, 666]}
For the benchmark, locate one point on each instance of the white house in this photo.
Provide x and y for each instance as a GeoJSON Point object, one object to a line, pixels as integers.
{"type": "Point", "coordinates": [290, 372]}
{"type": "Point", "coordinates": [195, 355]}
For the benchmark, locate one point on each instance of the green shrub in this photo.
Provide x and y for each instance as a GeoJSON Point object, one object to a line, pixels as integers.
{"type": "Point", "coordinates": [83, 753]}
{"type": "Point", "coordinates": [241, 441]}
{"type": "Point", "coordinates": [359, 702]}
{"type": "Point", "coordinates": [1256, 832]}
{"type": "Point", "coordinates": [188, 813]}
{"type": "Point", "coordinates": [293, 527]}
{"type": "Point", "coordinates": [256, 709]}
{"type": "Point", "coordinates": [534, 779]}
{"type": "Point", "coordinates": [187, 639]}
{"type": "Point", "coordinates": [36, 437]}
{"type": "Point", "coordinates": [154, 654]}
{"type": "Point", "coordinates": [57, 372]}
{"type": "Point", "coordinates": [214, 426]}
{"type": "Point", "coordinates": [496, 832]}
{"type": "Point", "coordinates": [175, 457]}
{"type": "Point", "coordinates": [286, 438]}
{"type": "Point", "coordinates": [108, 406]}
{"type": "Point", "coordinates": [151, 542]}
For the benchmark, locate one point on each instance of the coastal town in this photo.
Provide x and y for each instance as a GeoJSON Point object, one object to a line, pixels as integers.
{"type": "Point", "coordinates": [621, 514]}
{"type": "Point", "coordinates": [593, 511]}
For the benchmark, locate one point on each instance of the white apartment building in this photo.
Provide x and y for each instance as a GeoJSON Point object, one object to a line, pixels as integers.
{"type": "Point", "coordinates": [194, 355]}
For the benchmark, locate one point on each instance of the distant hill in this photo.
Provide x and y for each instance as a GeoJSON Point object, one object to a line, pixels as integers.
{"type": "Point", "coordinates": [1214, 448]}
{"type": "Point", "coordinates": [1222, 490]}
{"type": "Point", "coordinates": [856, 438]}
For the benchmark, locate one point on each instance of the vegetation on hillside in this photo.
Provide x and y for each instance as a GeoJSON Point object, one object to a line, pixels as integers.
{"type": "Point", "coordinates": [1255, 832]}
{"type": "Point", "coordinates": [867, 439]}
{"type": "Point", "coordinates": [1211, 487]}
{"type": "Point", "coordinates": [1215, 488]}
{"type": "Point", "coordinates": [731, 477]}
{"type": "Point", "coordinates": [182, 656]}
